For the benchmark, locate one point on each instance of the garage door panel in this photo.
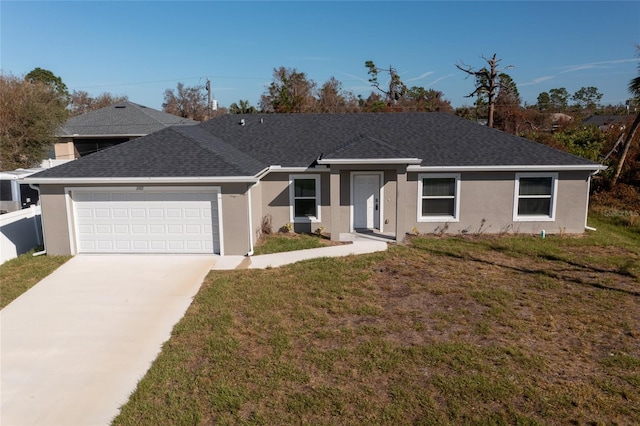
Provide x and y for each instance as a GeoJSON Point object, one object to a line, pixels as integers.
{"type": "Point", "coordinates": [104, 245]}
{"type": "Point", "coordinates": [120, 229]}
{"type": "Point", "coordinates": [122, 245]}
{"type": "Point", "coordinates": [159, 245]}
{"type": "Point", "coordinates": [156, 213]}
{"type": "Point", "coordinates": [104, 229]}
{"type": "Point", "coordinates": [102, 213]}
{"type": "Point", "coordinates": [139, 221]}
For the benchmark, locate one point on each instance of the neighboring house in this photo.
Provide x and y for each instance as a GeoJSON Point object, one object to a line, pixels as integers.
{"type": "Point", "coordinates": [14, 194]}
{"type": "Point", "coordinates": [207, 188]}
{"type": "Point", "coordinates": [607, 122]}
{"type": "Point", "coordinates": [103, 128]}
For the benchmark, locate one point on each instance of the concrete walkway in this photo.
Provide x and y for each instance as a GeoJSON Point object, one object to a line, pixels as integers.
{"type": "Point", "coordinates": [73, 347]}
{"type": "Point", "coordinates": [358, 246]}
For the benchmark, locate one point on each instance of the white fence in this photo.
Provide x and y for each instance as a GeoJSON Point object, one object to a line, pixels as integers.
{"type": "Point", "coordinates": [20, 232]}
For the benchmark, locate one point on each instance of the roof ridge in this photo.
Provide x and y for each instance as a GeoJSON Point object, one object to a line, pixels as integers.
{"type": "Point", "coordinates": [216, 146]}
{"type": "Point", "coordinates": [145, 110]}
{"type": "Point", "coordinates": [364, 136]}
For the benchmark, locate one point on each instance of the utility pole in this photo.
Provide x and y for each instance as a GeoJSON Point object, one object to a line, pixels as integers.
{"type": "Point", "coordinates": [208, 86]}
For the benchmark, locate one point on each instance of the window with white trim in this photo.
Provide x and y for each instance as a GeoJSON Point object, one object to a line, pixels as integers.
{"type": "Point", "coordinates": [438, 197]}
{"type": "Point", "coordinates": [535, 197]}
{"type": "Point", "coordinates": [304, 194]}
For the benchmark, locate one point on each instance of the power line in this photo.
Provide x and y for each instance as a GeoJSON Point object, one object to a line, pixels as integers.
{"type": "Point", "coordinates": [169, 80]}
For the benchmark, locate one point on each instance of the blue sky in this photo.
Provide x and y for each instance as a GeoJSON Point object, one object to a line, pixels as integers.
{"type": "Point", "coordinates": [141, 48]}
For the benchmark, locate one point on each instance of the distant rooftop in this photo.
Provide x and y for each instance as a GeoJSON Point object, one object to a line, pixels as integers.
{"type": "Point", "coordinates": [121, 119]}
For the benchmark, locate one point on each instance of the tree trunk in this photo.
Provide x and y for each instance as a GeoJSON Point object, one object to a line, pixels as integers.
{"type": "Point", "coordinates": [625, 149]}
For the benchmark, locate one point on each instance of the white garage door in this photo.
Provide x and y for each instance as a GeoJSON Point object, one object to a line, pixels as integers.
{"type": "Point", "coordinates": [147, 221]}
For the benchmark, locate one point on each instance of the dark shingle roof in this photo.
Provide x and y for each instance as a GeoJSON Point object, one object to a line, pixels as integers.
{"type": "Point", "coordinates": [125, 118]}
{"type": "Point", "coordinates": [225, 147]}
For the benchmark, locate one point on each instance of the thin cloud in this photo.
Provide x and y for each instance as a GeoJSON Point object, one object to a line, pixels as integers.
{"type": "Point", "coordinates": [420, 77]}
{"type": "Point", "coordinates": [355, 77]}
{"type": "Point", "coordinates": [603, 64]}
{"type": "Point", "coordinates": [537, 80]}
{"type": "Point", "coordinates": [437, 80]}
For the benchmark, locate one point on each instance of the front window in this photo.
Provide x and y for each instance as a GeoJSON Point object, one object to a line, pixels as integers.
{"type": "Point", "coordinates": [305, 198]}
{"type": "Point", "coordinates": [438, 197]}
{"type": "Point", "coordinates": [535, 197]}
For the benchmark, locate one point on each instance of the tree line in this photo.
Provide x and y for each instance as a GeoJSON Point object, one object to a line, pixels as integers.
{"type": "Point", "coordinates": [32, 108]}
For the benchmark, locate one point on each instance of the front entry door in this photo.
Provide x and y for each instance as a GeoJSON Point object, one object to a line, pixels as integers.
{"type": "Point", "coordinates": [366, 201]}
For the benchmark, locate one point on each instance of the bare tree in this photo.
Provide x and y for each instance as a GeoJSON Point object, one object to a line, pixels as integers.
{"type": "Point", "coordinates": [332, 98]}
{"type": "Point", "coordinates": [82, 102]}
{"type": "Point", "coordinates": [396, 88]}
{"type": "Point", "coordinates": [487, 82]}
{"type": "Point", "coordinates": [187, 102]}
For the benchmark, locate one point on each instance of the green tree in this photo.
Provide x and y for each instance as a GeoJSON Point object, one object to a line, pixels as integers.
{"type": "Point", "coordinates": [30, 114]}
{"type": "Point", "coordinates": [289, 92]}
{"type": "Point", "coordinates": [587, 98]}
{"type": "Point", "coordinates": [47, 77]}
{"type": "Point", "coordinates": [428, 100]}
{"type": "Point", "coordinates": [507, 91]}
{"type": "Point", "coordinates": [242, 107]}
{"type": "Point", "coordinates": [586, 142]}
{"type": "Point", "coordinates": [373, 103]}
{"type": "Point", "coordinates": [559, 99]}
{"type": "Point", "coordinates": [544, 101]}
{"type": "Point", "coordinates": [509, 114]}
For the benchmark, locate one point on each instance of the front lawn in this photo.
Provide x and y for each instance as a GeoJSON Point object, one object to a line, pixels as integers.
{"type": "Point", "coordinates": [285, 241]}
{"type": "Point", "coordinates": [444, 330]}
{"type": "Point", "coordinates": [20, 274]}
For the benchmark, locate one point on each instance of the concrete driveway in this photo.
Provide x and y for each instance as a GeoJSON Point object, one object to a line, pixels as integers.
{"type": "Point", "coordinates": [74, 346]}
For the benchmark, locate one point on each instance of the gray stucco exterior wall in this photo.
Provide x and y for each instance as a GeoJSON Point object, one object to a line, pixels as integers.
{"type": "Point", "coordinates": [487, 205]}
{"type": "Point", "coordinates": [55, 223]}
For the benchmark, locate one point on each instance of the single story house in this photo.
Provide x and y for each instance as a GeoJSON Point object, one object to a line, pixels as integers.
{"type": "Point", "coordinates": [207, 188]}
{"type": "Point", "coordinates": [105, 127]}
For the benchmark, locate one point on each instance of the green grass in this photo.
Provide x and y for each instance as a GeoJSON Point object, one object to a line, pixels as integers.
{"type": "Point", "coordinates": [276, 243]}
{"type": "Point", "coordinates": [20, 274]}
{"type": "Point", "coordinates": [443, 330]}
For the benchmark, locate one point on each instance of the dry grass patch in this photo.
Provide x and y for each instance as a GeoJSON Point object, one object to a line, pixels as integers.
{"type": "Point", "coordinates": [482, 330]}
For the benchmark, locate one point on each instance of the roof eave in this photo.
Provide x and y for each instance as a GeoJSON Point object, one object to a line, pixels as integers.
{"type": "Point", "coordinates": [515, 168]}
{"type": "Point", "coordinates": [109, 135]}
{"type": "Point", "coordinates": [413, 161]}
{"type": "Point", "coordinates": [141, 180]}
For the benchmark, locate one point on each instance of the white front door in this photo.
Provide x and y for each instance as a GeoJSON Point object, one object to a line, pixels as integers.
{"type": "Point", "coordinates": [366, 201]}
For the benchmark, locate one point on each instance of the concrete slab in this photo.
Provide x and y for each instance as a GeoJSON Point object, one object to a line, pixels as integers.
{"type": "Point", "coordinates": [74, 346]}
